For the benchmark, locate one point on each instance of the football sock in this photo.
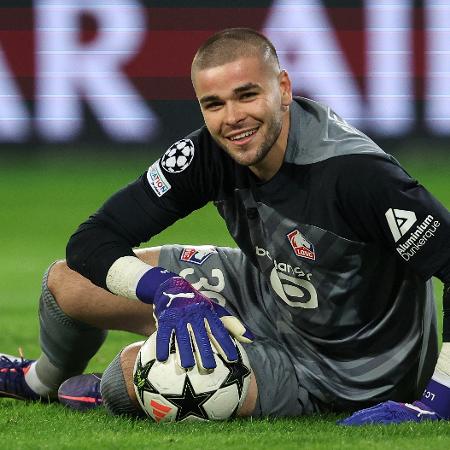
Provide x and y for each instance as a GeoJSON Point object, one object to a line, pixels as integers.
{"type": "Point", "coordinates": [67, 344]}
{"type": "Point", "coordinates": [42, 380]}
{"type": "Point", "coordinates": [114, 391]}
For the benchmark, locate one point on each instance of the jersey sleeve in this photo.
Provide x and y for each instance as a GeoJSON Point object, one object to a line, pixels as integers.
{"type": "Point", "coordinates": [173, 186]}
{"type": "Point", "coordinates": [387, 206]}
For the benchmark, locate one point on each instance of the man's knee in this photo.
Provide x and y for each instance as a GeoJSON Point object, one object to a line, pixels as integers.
{"type": "Point", "coordinates": [117, 387]}
{"type": "Point", "coordinates": [118, 391]}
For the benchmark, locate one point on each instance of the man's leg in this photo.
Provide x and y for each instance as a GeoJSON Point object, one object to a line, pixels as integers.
{"type": "Point", "coordinates": [74, 318]}
{"type": "Point", "coordinates": [219, 273]}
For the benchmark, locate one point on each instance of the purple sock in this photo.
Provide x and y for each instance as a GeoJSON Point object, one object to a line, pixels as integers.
{"type": "Point", "coordinates": [437, 398]}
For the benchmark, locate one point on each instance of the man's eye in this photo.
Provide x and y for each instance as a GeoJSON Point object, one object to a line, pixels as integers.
{"type": "Point", "coordinates": [248, 95]}
{"type": "Point", "coordinates": [213, 106]}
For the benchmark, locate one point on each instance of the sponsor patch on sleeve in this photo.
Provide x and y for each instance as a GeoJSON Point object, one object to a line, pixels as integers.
{"type": "Point", "coordinates": [197, 255]}
{"type": "Point", "coordinates": [157, 180]}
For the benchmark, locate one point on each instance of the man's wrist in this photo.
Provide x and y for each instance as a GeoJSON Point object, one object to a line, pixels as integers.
{"type": "Point", "coordinates": [124, 274]}
{"type": "Point", "coordinates": [150, 282]}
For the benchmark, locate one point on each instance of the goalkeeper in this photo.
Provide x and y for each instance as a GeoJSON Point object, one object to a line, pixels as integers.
{"type": "Point", "coordinates": [336, 248]}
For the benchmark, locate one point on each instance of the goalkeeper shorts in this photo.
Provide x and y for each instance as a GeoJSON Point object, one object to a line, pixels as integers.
{"type": "Point", "coordinates": [226, 276]}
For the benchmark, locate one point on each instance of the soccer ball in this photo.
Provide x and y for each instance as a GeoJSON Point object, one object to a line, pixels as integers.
{"type": "Point", "coordinates": [178, 156]}
{"type": "Point", "coordinates": [169, 393]}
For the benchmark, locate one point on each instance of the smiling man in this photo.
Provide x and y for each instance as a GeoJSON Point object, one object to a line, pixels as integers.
{"type": "Point", "coordinates": [336, 248]}
{"type": "Point", "coordinates": [248, 119]}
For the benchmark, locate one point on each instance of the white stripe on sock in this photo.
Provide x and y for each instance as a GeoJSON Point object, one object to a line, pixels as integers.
{"type": "Point", "coordinates": [35, 384]}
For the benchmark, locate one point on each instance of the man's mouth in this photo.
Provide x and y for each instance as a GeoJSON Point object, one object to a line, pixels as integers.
{"type": "Point", "coordinates": [243, 135]}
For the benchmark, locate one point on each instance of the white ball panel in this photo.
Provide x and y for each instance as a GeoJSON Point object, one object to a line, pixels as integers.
{"type": "Point", "coordinates": [246, 384]}
{"type": "Point", "coordinates": [222, 404]}
{"type": "Point", "coordinates": [148, 350]}
{"type": "Point", "coordinates": [167, 377]}
{"type": "Point", "coordinates": [208, 381]}
{"type": "Point", "coordinates": [193, 419]}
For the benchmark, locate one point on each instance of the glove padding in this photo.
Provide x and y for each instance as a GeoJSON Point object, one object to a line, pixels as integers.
{"type": "Point", "coordinates": [196, 322]}
{"type": "Point", "coordinates": [391, 412]}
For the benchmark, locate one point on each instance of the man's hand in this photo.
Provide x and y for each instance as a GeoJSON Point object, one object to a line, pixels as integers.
{"type": "Point", "coordinates": [196, 322]}
{"type": "Point", "coordinates": [391, 412]}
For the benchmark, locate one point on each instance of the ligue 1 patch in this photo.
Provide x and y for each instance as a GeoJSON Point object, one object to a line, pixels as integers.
{"type": "Point", "coordinates": [178, 156]}
{"type": "Point", "coordinates": [196, 255]}
{"type": "Point", "coordinates": [157, 180]}
{"type": "Point", "coordinates": [302, 247]}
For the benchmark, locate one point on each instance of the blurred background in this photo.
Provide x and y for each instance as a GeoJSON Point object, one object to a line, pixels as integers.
{"type": "Point", "coordinates": [92, 91]}
{"type": "Point", "coordinates": [117, 71]}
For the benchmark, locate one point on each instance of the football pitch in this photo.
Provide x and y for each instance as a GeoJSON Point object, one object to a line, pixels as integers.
{"type": "Point", "coordinates": [42, 202]}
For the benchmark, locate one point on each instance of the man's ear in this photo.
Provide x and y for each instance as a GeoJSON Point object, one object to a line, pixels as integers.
{"type": "Point", "coordinates": [285, 88]}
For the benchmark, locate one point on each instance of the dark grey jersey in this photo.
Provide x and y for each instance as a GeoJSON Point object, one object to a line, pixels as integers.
{"type": "Point", "coordinates": [344, 238]}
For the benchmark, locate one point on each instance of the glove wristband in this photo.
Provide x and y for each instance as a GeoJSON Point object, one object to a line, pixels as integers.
{"type": "Point", "coordinates": [150, 282]}
{"type": "Point", "coordinates": [437, 397]}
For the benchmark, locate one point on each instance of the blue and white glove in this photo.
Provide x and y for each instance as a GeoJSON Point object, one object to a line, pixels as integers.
{"type": "Point", "coordinates": [192, 318]}
{"type": "Point", "coordinates": [434, 405]}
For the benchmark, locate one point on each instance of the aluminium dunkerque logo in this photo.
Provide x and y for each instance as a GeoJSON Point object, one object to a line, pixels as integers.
{"type": "Point", "coordinates": [401, 222]}
{"type": "Point", "coordinates": [178, 156]}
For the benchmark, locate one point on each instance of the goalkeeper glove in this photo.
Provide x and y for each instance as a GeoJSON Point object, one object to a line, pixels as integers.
{"type": "Point", "coordinates": [196, 322]}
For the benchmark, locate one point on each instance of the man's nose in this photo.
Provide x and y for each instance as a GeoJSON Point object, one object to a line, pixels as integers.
{"type": "Point", "coordinates": [233, 113]}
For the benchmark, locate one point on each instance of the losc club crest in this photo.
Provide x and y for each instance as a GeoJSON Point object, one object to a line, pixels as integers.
{"type": "Point", "coordinates": [178, 156]}
{"type": "Point", "coordinates": [302, 247]}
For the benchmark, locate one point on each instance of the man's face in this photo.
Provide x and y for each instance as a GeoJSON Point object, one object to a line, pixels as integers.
{"type": "Point", "coordinates": [244, 104]}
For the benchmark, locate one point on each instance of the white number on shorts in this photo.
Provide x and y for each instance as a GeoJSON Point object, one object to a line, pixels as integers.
{"type": "Point", "coordinates": [202, 285]}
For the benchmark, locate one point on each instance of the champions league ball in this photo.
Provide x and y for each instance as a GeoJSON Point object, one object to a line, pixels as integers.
{"type": "Point", "coordinates": [169, 393]}
{"type": "Point", "coordinates": [178, 156]}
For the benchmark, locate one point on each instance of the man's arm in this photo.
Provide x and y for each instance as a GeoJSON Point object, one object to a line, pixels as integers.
{"type": "Point", "coordinates": [399, 213]}
{"type": "Point", "coordinates": [101, 250]}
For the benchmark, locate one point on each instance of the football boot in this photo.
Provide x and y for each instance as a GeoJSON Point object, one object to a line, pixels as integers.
{"type": "Point", "coordinates": [81, 392]}
{"type": "Point", "coordinates": [12, 378]}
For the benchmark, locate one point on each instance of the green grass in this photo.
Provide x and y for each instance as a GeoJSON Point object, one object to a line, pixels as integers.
{"type": "Point", "coordinates": [42, 202]}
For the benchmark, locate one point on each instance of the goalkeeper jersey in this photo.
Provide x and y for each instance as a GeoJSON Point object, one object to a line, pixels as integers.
{"type": "Point", "coordinates": [344, 238]}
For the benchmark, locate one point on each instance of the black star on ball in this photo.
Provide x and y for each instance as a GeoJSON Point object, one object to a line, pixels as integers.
{"type": "Point", "coordinates": [190, 403]}
{"type": "Point", "coordinates": [238, 373]}
{"type": "Point", "coordinates": [141, 380]}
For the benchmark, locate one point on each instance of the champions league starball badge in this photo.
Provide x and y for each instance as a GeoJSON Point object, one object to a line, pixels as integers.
{"type": "Point", "coordinates": [178, 157]}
